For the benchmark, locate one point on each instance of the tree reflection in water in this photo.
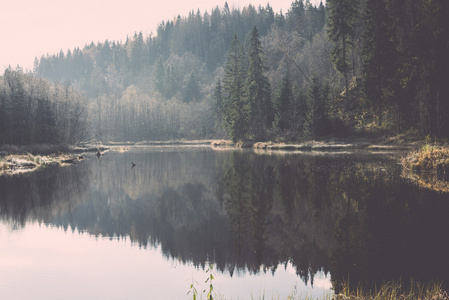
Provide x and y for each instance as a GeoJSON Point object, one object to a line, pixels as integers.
{"type": "Point", "coordinates": [348, 214]}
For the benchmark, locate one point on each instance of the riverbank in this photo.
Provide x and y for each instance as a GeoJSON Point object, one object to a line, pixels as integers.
{"type": "Point", "coordinates": [428, 167]}
{"type": "Point", "coordinates": [25, 159]}
{"type": "Point", "coordinates": [12, 164]}
{"type": "Point", "coordinates": [430, 159]}
{"type": "Point", "coordinates": [395, 290]}
{"type": "Point", "coordinates": [30, 158]}
{"type": "Point", "coordinates": [378, 144]}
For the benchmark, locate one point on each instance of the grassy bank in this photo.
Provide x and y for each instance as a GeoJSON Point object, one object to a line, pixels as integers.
{"type": "Point", "coordinates": [328, 145]}
{"type": "Point", "coordinates": [162, 143]}
{"type": "Point", "coordinates": [30, 158]}
{"type": "Point", "coordinates": [391, 291]}
{"type": "Point", "coordinates": [430, 159]}
{"type": "Point", "coordinates": [24, 163]}
{"type": "Point", "coordinates": [428, 167]}
{"type": "Point", "coordinates": [395, 290]}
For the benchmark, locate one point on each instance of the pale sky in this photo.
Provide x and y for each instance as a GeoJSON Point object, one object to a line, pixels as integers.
{"type": "Point", "coordinates": [32, 28]}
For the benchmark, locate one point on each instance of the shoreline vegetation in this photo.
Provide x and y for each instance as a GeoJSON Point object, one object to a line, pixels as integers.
{"type": "Point", "coordinates": [407, 141]}
{"type": "Point", "coordinates": [428, 167]}
{"type": "Point", "coordinates": [424, 160]}
{"type": "Point", "coordinates": [314, 145]}
{"type": "Point", "coordinates": [26, 159]}
{"type": "Point", "coordinates": [394, 290]}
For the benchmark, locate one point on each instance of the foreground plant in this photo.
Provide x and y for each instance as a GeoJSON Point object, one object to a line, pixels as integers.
{"type": "Point", "coordinates": [209, 279]}
{"type": "Point", "coordinates": [394, 290]}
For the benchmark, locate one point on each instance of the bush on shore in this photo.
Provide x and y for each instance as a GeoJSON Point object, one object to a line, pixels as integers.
{"type": "Point", "coordinates": [430, 159]}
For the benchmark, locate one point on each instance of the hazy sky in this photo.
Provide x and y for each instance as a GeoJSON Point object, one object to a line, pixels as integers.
{"type": "Point", "coordinates": [30, 28]}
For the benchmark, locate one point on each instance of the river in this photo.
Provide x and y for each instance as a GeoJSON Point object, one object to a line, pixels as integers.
{"type": "Point", "coordinates": [271, 225]}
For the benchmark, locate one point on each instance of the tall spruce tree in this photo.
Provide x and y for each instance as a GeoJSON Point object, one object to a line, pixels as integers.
{"type": "Point", "coordinates": [342, 18]}
{"type": "Point", "coordinates": [218, 104]}
{"type": "Point", "coordinates": [235, 107]}
{"type": "Point", "coordinates": [258, 89]}
{"type": "Point", "coordinates": [315, 120]}
{"type": "Point", "coordinates": [380, 57]}
{"type": "Point", "coordinates": [284, 114]}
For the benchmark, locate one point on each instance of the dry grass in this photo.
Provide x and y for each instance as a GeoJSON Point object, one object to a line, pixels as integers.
{"type": "Point", "coordinates": [429, 159]}
{"type": "Point", "coordinates": [395, 290]}
{"type": "Point", "coordinates": [222, 143]}
{"type": "Point", "coordinates": [428, 167]}
{"type": "Point", "coordinates": [26, 163]}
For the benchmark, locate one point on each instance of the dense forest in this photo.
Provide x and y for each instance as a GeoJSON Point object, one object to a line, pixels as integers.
{"type": "Point", "coordinates": [344, 68]}
{"type": "Point", "coordinates": [36, 111]}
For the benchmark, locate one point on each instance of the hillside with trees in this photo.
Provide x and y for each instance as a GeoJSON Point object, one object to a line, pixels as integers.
{"type": "Point", "coordinates": [340, 69]}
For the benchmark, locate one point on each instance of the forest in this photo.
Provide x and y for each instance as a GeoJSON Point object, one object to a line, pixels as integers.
{"type": "Point", "coordinates": [342, 68]}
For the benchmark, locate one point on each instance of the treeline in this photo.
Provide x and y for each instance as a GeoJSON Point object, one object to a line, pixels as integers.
{"type": "Point", "coordinates": [391, 55]}
{"type": "Point", "coordinates": [401, 79]}
{"type": "Point", "coordinates": [247, 110]}
{"type": "Point", "coordinates": [204, 37]}
{"type": "Point", "coordinates": [350, 67]}
{"type": "Point", "coordinates": [160, 87]}
{"type": "Point", "coordinates": [34, 110]}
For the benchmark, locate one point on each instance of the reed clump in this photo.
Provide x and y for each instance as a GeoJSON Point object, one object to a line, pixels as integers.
{"type": "Point", "coordinates": [428, 167]}
{"type": "Point", "coordinates": [394, 290]}
{"type": "Point", "coordinates": [429, 159]}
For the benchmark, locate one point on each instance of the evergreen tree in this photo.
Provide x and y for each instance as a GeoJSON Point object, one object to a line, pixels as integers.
{"type": "Point", "coordinates": [218, 104]}
{"type": "Point", "coordinates": [258, 89]}
{"type": "Point", "coordinates": [192, 91]}
{"type": "Point", "coordinates": [380, 57]}
{"type": "Point", "coordinates": [296, 16]}
{"type": "Point", "coordinates": [284, 115]}
{"type": "Point", "coordinates": [299, 109]}
{"type": "Point", "coordinates": [316, 112]}
{"type": "Point", "coordinates": [321, 20]}
{"type": "Point", "coordinates": [235, 108]}
{"type": "Point", "coordinates": [159, 76]}
{"type": "Point", "coordinates": [342, 17]}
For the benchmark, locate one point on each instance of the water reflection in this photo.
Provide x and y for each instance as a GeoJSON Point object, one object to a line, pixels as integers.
{"type": "Point", "coordinates": [347, 214]}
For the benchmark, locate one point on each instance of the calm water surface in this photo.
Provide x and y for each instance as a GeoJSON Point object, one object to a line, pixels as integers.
{"type": "Point", "coordinates": [272, 224]}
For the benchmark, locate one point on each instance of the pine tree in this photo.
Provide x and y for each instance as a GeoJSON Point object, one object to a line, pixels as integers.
{"type": "Point", "coordinates": [297, 16]}
{"type": "Point", "coordinates": [342, 17]}
{"type": "Point", "coordinates": [218, 104]}
{"type": "Point", "coordinates": [235, 108]}
{"type": "Point", "coordinates": [159, 76]}
{"type": "Point", "coordinates": [284, 115]}
{"type": "Point", "coordinates": [258, 88]}
{"type": "Point", "coordinates": [380, 57]}
{"type": "Point", "coordinates": [315, 115]}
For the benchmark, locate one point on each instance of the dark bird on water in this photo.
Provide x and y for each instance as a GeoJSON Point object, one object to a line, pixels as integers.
{"type": "Point", "coordinates": [133, 165]}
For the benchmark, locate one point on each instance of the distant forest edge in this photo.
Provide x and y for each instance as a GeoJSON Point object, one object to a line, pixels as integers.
{"type": "Point", "coordinates": [338, 69]}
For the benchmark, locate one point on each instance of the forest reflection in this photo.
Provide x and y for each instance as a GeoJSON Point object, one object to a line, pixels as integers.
{"type": "Point", "coordinates": [348, 214]}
